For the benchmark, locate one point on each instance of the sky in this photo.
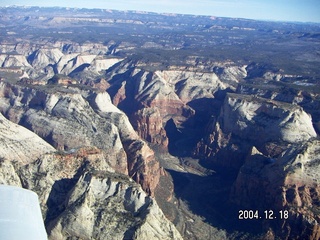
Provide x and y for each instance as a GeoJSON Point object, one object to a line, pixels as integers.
{"type": "Point", "coordinates": [279, 10]}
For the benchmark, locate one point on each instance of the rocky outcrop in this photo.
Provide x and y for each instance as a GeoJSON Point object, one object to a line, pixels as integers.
{"type": "Point", "coordinates": [133, 215]}
{"type": "Point", "coordinates": [19, 144]}
{"type": "Point", "coordinates": [95, 202]}
{"type": "Point", "coordinates": [41, 58]}
{"type": "Point", "coordinates": [13, 60]}
{"type": "Point", "coordinates": [245, 121]}
{"type": "Point", "coordinates": [273, 148]}
{"type": "Point", "coordinates": [289, 183]}
{"type": "Point", "coordinates": [269, 120]}
{"type": "Point", "coordinates": [146, 94]}
{"type": "Point", "coordinates": [190, 85]}
{"type": "Point", "coordinates": [82, 197]}
{"type": "Point", "coordinates": [84, 188]}
{"type": "Point", "coordinates": [299, 93]}
{"type": "Point", "coordinates": [71, 118]}
{"type": "Point", "coordinates": [149, 125]}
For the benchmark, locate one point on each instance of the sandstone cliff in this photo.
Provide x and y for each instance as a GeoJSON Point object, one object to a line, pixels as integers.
{"type": "Point", "coordinates": [71, 118]}
{"type": "Point", "coordinates": [83, 193]}
{"type": "Point", "coordinates": [145, 93]}
{"type": "Point", "coordinates": [289, 182]}
{"type": "Point", "coordinates": [272, 146]}
{"type": "Point", "coordinates": [17, 141]}
{"type": "Point", "coordinates": [247, 121]}
{"type": "Point", "coordinates": [303, 94]}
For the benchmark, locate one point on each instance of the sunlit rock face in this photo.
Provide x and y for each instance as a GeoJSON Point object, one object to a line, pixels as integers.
{"type": "Point", "coordinates": [81, 196]}
{"type": "Point", "coordinates": [268, 120]}
{"type": "Point", "coordinates": [288, 182]}
{"type": "Point", "coordinates": [95, 179]}
{"type": "Point", "coordinates": [300, 95]}
{"type": "Point", "coordinates": [19, 144]}
{"type": "Point", "coordinates": [149, 125]}
{"type": "Point", "coordinates": [247, 121]}
{"type": "Point", "coordinates": [151, 98]}
{"type": "Point", "coordinates": [71, 118]}
{"type": "Point", "coordinates": [99, 206]}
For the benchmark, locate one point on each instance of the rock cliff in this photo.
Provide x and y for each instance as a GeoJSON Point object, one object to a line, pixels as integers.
{"type": "Point", "coordinates": [83, 192]}
{"type": "Point", "coordinates": [303, 94]}
{"type": "Point", "coordinates": [69, 118]}
{"type": "Point", "coordinates": [19, 144]}
{"type": "Point", "coordinates": [143, 92]}
{"type": "Point", "coordinates": [247, 121]}
{"type": "Point", "coordinates": [273, 147]}
{"type": "Point", "coordinates": [289, 182]}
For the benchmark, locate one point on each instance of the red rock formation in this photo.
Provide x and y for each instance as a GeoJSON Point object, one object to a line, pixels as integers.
{"type": "Point", "coordinates": [149, 102]}
{"type": "Point", "coordinates": [142, 165]}
{"type": "Point", "coordinates": [149, 125]}
{"type": "Point", "coordinates": [120, 95]}
{"type": "Point", "coordinates": [71, 121]}
{"type": "Point", "coordinates": [289, 183]}
{"type": "Point", "coordinates": [100, 84]}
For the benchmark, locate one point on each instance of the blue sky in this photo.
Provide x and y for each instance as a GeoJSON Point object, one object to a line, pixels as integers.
{"type": "Point", "coordinates": [283, 10]}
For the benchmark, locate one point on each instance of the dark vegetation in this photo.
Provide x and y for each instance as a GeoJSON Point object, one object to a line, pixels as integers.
{"type": "Point", "coordinates": [291, 47]}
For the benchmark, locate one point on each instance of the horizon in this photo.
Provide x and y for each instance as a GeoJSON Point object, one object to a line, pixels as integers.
{"type": "Point", "coordinates": [281, 10]}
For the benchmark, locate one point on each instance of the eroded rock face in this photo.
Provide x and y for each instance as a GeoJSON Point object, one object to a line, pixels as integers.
{"type": "Point", "coordinates": [268, 120]}
{"type": "Point", "coordinates": [73, 118]}
{"type": "Point", "coordinates": [294, 94]}
{"type": "Point", "coordinates": [151, 98]}
{"type": "Point", "coordinates": [149, 125]}
{"type": "Point", "coordinates": [82, 193]}
{"type": "Point", "coordinates": [99, 206]}
{"type": "Point", "coordinates": [82, 197]}
{"type": "Point", "coordinates": [149, 102]}
{"type": "Point", "coordinates": [19, 144]}
{"type": "Point", "coordinates": [66, 58]}
{"type": "Point", "coordinates": [289, 182]}
{"type": "Point", "coordinates": [190, 85]}
{"type": "Point", "coordinates": [247, 121]}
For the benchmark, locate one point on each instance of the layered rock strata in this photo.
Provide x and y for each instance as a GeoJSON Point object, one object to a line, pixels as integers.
{"type": "Point", "coordinates": [288, 183]}
{"type": "Point", "coordinates": [69, 118]}
{"type": "Point", "coordinates": [17, 141]}
{"type": "Point", "coordinates": [247, 121]}
{"type": "Point", "coordinates": [273, 147]}
{"type": "Point", "coordinates": [82, 193]}
{"type": "Point", "coordinates": [146, 94]}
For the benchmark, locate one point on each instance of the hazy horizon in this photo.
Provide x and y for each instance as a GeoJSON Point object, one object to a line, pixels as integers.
{"type": "Point", "coordinates": [276, 10]}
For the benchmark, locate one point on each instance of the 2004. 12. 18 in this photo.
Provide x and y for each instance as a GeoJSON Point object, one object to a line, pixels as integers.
{"type": "Point", "coordinates": [266, 214]}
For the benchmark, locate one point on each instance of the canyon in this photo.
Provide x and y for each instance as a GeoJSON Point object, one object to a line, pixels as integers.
{"type": "Point", "coordinates": [143, 125]}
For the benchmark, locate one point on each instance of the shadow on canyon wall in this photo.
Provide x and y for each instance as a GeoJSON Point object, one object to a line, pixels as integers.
{"type": "Point", "coordinates": [206, 196]}
{"type": "Point", "coordinates": [183, 139]}
{"type": "Point", "coordinates": [209, 197]}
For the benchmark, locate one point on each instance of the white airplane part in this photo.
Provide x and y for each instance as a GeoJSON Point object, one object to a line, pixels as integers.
{"type": "Point", "coordinates": [20, 215]}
